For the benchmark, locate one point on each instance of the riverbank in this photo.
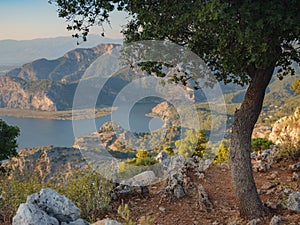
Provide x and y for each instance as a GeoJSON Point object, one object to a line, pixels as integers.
{"type": "Point", "coordinates": [57, 115]}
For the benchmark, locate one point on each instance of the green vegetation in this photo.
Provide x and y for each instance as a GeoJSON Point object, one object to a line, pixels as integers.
{"type": "Point", "coordinates": [136, 165]}
{"type": "Point", "coordinates": [296, 86]}
{"type": "Point", "coordinates": [8, 142]}
{"type": "Point", "coordinates": [194, 144]}
{"type": "Point", "coordinates": [222, 154]}
{"type": "Point", "coordinates": [260, 144]}
{"type": "Point", "coordinates": [169, 150]}
{"type": "Point", "coordinates": [288, 151]}
{"type": "Point", "coordinates": [86, 188]}
{"type": "Point", "coordinates": [124, 213]}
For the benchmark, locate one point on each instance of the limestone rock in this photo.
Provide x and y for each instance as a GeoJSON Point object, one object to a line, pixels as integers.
{"type": "Point", "coordinates": [179, 191]}
{"type": "Point", "coordinates": [55, 205]}
{"type": "Point", "coordinates": [48, 208]}
{"type": "Point", "coordinates": [76, 222]}
{"type": "Point", "coordinates": [162, 156]}
{"type": "Point", "coordinates": [275, 220]}
{"type": "Point", "coordinates": [287, 129]}
{"type": "Point", "coordinates": [295, 167]}
{"type": "Point", "coordinates": [259, 166]}
{"type": "Point", "coordinates": [293, 202]}
{"type": "Point", "coordinates": [143, 179]}
{"type": "Point", "coordinates": [29, 214]}
{"type": "Point", "coordinates": [204, 202]}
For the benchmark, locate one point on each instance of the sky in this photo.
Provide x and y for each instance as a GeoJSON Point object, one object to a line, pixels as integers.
{"type": "Point", "coordinates": [31, 19]}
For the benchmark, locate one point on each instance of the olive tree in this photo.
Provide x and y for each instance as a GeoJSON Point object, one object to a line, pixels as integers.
{"type": "Point", "coordinates": [241, 42]}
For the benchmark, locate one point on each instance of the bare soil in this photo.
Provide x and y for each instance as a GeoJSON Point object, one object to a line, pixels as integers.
{"type": "Point", "coordinates": [218, 185]}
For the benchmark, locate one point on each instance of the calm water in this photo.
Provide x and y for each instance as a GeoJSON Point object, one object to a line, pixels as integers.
{"type": "Point", "coordinates": [43, 132]}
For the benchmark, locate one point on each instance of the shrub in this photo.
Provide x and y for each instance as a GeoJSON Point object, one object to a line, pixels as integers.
{"type": "Point", "coordinates": [89, 191]}
{"type": "Point", "coordinates": [141, 154]}
{"type": "Point", "coordinates": [137, 165]}
{"type": "Point", "coordinates": [194, 144]}
{"type": "Point", "coordinates": [124, 213]}
{"type": "Point", "coordinates": [86, 188]}
{"type": "Point", "coordinates": [259, 144]}
{"type": "Point", "coordinates": [222, 154]}
{"type": "Point", "coordinates": [288, 151]}
{"type": "Point", "coordinates": [169, 150]}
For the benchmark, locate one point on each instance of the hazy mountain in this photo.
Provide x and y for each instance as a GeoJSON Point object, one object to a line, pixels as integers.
{"type": "Point", "coordinates": [66, 69]}
{"type": "Point", "coordinates": [20, 52]}
{"type": "Point", "coordinates": [57, 79]}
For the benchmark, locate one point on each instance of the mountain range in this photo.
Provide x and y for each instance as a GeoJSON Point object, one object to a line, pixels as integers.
{"type": "Point", "coordinates": [15, 52]}
{"type": "Point", "coordinates": [50, 84]}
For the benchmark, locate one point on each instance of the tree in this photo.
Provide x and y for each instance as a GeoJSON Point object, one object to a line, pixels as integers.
{"type": "Point", "coordinates": [8, 141]}
{"type": "Point", "coordinates": [222, 154]}
{"type": "Point", "coordinates": [194, 144]}
{"type": "Point", "coordinates": [241, 41]}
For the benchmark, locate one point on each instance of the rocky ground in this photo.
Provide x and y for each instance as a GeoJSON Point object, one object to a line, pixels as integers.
{"type": "Point", "coordinates": [273, 186]}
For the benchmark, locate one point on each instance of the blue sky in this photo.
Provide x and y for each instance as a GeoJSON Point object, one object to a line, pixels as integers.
{"type": "Point", "coordinates": [30, 19]}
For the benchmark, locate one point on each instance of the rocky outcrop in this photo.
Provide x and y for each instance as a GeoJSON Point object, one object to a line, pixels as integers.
{"type": "Point", "coordinates": [287, 129]}
{"type": "Point", "coordinates": [47, 162]}
{"type": "Point", "coordinates": [167, 113]}
{"type": "Point", "coordinates": [48, 208]}
{"type": "Point", "coordinates": [15, 94]}
{"type": "Point", "coordinates": [178, 181]}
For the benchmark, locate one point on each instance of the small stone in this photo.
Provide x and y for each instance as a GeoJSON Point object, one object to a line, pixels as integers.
{"type": "Point", "coordinates": [253, 222]}
{"type": "Point", "coordinates": [259, 166]}
{"type": "Point", "coordinates": [179, 191]}
{"type": "Point", "coordinates": [162, 209]}
{"type": "Point", "coordinates": [268, 185]}
{"type": "Point", "coordinates": [295, 176]}
{"type": "Point", "coordinates": [271, 191]}
{"type": "Point", "coordinates": [295, 167]}
{"type": "Point", "coordinates": [275, 220]}
{"type": "Point", "coordinates": [107, 222]}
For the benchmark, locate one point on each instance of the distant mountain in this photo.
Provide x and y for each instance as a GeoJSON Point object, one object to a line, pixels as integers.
{"type": "Point", "coordinates": [66, 69]}
{"type": "Point", "coordinates": [50, 84]}
{"type": "Point", "coordinates": [20, 52]}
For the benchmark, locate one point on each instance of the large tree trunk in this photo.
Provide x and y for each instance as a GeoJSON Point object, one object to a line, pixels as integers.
{"type": "Point", "coordinates": [245, 117]}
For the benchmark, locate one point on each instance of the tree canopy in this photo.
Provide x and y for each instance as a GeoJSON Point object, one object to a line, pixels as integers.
{"type": "Point", "coordinates": [8, 141]}
{"type": "Point", "coordinates": [233, 37]}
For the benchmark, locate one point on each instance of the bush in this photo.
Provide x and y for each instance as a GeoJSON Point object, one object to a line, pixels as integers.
{"type": "Point", "coordinates": [260, 144]}
{"type": "Point", "coordinates": [288, 151]}
{"type": "Point", "coordinates": [169, 150]}
{"type": "Point", "coordinates": [222, 154]}
{"type": "Point", "coordinates": [141, 154]}
{"type": "Point", "coordinates": [137, 165]}
{"type": "Point", "coordinates": [86, 188]}
{"type": "Point", "coordinates": [193, 144]}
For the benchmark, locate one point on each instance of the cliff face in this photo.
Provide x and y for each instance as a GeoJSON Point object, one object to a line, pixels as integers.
{"type": "Point", "coordinates": [287, 129]}
{"type": "Point", "coordinates": [49, 85]}
{"type": "Point", "coordinates": [13, 94]}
